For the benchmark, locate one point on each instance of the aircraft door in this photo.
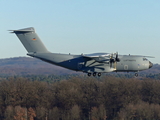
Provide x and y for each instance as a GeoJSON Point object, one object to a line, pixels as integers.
{"type": "Point", "coordinates": [125, 67]}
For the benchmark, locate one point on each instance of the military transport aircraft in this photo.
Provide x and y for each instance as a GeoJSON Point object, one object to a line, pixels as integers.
{"type": "Point", "coordinates": [93, 64]}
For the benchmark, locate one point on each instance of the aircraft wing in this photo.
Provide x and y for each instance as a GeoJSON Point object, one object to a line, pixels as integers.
{"type": "Point", "coordinates": [143, 56]}
{"type": "Point", "coordinates": [98, 57]}
{"type": "Point", "coordinates": [95, 55]}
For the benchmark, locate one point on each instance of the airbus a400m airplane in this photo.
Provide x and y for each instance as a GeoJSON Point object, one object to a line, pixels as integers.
{"type": "Point", "coordinates": [93, 64]}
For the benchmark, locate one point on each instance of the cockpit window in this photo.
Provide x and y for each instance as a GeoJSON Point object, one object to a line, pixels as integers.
{"type": "Point", "coordinates": [145, 59]}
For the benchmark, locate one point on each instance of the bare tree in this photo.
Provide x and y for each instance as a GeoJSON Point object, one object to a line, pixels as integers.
{"type": "Point", "coordinates": [9, 113]}
{"type": "Point", "coordinates": [20, 113]}
{"type": "Point", "coordinates": [75, 112]}
{"type": "Point", "coordinates": [31, 114]}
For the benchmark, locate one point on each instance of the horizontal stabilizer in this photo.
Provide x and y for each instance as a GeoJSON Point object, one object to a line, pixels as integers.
{"type": "Point", "coordinates": [31, 29]}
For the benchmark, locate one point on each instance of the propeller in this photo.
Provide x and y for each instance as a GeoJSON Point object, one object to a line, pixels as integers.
{"type": "Point", "coordinates": [113, 60]}
{"type": "Point", "coordinates": [117, 59]}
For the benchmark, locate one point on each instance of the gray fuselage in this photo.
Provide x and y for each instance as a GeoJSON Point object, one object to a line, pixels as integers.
{"type": "Point", "coordinates": [127, 63]}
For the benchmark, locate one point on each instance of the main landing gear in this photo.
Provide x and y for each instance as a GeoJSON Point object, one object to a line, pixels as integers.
{"type": "Point", "coordinates": [136, 74]}
{"type": "Point", "coordinates": [94, 74]}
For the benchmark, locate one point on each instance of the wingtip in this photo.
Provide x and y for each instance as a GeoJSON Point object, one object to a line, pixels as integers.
{"type": "Point", "coordinates": [11, 31]}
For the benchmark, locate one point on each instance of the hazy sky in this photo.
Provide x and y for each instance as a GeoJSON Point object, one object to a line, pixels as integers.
{"type": "Point", "coordinates": [83, 26]}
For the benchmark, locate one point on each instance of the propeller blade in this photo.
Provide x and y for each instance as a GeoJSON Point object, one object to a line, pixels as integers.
{"type": "Point", "coordinates": [117, 59]}
{"type": "Point", "coordinates": [110, 64]}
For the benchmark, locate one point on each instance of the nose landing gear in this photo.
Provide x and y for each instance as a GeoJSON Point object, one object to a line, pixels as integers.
{"type": "Point", "coordinates": [136, 74]}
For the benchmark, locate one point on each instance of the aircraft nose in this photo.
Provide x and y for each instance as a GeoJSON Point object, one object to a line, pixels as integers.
{"type": "Point", "coordinates": [150, 64]}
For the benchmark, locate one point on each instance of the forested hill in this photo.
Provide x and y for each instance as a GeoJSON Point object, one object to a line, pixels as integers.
{"type": "Point", "coordinates": [33, 66]}
{"type": "Point", "coordinates": [30, 66]}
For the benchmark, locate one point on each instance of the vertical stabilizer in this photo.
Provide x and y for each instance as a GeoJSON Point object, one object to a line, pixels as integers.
{"type": "Point", "coordinates": [30, 40]}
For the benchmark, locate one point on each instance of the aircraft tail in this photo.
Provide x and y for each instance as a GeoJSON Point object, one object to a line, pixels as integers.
{"type": "Point", "coordinates": [30, 40]}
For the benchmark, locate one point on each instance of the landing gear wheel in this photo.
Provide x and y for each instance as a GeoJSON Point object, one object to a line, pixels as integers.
{"type": "Point", "coordinates": [136, 74]}
{"type": "Point", "coordinates": [89, 74]}
{"type": "Point", "coordinates": [99, 74]}
{"type": "Point", "coordinates": [94, 74]}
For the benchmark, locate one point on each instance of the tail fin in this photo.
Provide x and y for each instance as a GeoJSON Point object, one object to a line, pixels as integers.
{"type": "Point", "coordinates": [30, 40]}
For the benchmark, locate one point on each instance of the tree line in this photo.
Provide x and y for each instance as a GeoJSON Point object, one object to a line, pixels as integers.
{"type": "Point", "coordinates": [79, 98]}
